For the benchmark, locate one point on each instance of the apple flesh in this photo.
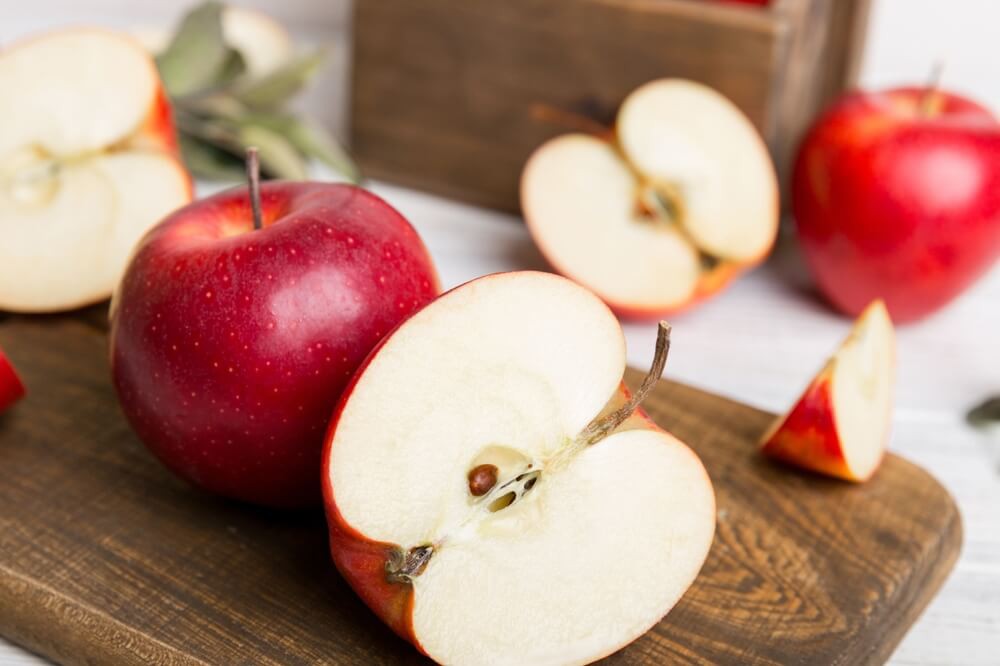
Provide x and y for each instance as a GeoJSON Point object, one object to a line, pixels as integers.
{"type": "Point", "coordinates": [592, 528]}
{"type": "Point", "coordinates": [11, 388]}
{"type": "Point", "coordinates": [678, 205]}
{"type": "Point", "coordinates": [230, 346]}
{"type": "Point", "coordinates": [87, 165]}
{"type": "Point", "coordinates": [896, 195]}
{"type": "Point", "coordinates": [840, 425]}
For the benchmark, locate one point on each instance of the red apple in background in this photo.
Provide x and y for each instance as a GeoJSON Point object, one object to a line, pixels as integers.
{"type": "Point", "coordinates": [11, 388]}
{"type": "Point", "coordinates": [230, 345]}
{"type": "Point", "coordinates": [896, 196]}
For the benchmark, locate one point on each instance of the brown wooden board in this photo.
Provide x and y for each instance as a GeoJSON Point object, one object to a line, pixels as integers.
{"type": "Point", "coordinates": [107, 558]}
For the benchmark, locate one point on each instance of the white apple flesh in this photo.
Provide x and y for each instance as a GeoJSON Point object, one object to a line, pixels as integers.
{"type": "Point", "coordinates": [666, 215]}
{"type": "Point", "coordinates": [86, 166]}
{"type": "Point", "coordinates": [583, 542]}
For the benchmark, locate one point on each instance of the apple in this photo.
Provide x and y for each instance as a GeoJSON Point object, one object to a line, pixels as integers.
{"type": "Point", "coordinates": [489, 495]}
{"type": "Point", "coordinates": [87, 164]}
{"type": "Point", "coordinates": [679, 202]}
{"type": "Point", "coordinates": [896, 195]}
{"type": "Point", "coordinates": [840, 425]}
{"type": "Point", "coordinates": [230, 345]}
{"type": "Point", "coordinates": [11, 388]}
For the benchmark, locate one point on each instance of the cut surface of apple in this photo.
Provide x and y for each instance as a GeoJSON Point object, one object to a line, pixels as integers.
{"type": "Point", "coordinates": [684, 200]}
{"type": "Point", "coordinates": [579, 545]}
{"type": "Point", "coordinates": [840, 425]}
{"type": "Point", "coordinates": [86, 166]}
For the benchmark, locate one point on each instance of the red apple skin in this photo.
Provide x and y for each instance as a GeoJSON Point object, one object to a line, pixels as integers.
{"type": "Point", "coordinates": [11, 387]}
{"type": "Point", "coordinates": [899, 203]}
{"type": "Point", "coordinates": [230, 347]}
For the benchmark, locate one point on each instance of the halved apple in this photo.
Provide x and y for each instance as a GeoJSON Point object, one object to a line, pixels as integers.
{"type": "Point", "coordinates": [840, 425]}
{"type": "Point", "coordinates": [11, 388]}
{"type": "Point", "coordinates": [492, 494]}
{"type": "Point", "coordinates": [680, 204]}
{"type": "Point", "coordinates": [87, 165]}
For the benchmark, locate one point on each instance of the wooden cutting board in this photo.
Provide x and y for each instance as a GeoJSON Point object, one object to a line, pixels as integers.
{"type": "Point", "coordinates": [106, 558]}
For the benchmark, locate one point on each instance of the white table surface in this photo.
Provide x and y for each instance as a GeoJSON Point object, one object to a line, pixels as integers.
{"type": "Point", "coordinates": [760, 341]}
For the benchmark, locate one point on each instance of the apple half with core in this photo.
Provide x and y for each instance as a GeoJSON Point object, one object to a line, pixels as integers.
{"type": "Point", "coordinates": [682, 199]}
{"type": "Point", "coordinates": [87, 164]}
{"type": "Point", "coordinates": [492, 494]}
{"type": "Point", "coordinates": [11, 388]}
{"type": "Point", "coordinates": [840, 425]}
{"type": "Point", "coordinates": [234, 330]}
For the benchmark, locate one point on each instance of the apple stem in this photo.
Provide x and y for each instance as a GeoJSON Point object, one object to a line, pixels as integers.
{"type": "Point", "coordinates": [601, 427]}
{"type": "Point", "coordinates": [550, 114]}
{"type": "Point", "coordinates": [253, 180]}
{"type": "Point", "coordinates": [930, 95]}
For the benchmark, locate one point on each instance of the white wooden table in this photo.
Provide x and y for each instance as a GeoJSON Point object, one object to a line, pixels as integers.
{"type": "Point", "coordinates": [760, 341]}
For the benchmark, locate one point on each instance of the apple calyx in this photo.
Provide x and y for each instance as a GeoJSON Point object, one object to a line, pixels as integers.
{"type": "Point", "coordinates": [253, 182]}
{"type": "Point", "coordinates": [403, 566]}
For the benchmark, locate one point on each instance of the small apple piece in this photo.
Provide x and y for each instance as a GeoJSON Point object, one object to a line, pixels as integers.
{"type": "Point", "coordinates": [11, 387]}
{"type": "Point", "coordinates": [840, 426]}
{"type": "Point", "coordinates": [87, 165]}
{"type": "Point", "coordinates": [492, 492]}
{"type": "Point", "coordinates": [684, 201]}
{"type": "Point", "coordinates": [230, 345]}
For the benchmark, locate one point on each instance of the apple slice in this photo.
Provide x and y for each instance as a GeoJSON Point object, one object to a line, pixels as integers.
{"type": "Point", "coordinates": [11, 388]}
{"type": "Point", "coordinates": [840, 426]}
{"type": "Point", "coordinates": [488, 493]}
{"type": "Point", "coordinates": [681, 203]}
{"type": "Point", "coordinates": [87, 164]}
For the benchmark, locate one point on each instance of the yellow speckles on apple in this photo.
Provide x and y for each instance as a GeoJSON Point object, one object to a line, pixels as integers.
{"type": "Point", "coordinates": [208, 294]}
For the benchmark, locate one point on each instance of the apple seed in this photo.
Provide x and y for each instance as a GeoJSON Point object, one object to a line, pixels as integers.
{"type": "Point", "coordinates": [482, 478]}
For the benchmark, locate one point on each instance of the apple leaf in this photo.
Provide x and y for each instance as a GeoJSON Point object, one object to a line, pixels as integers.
{"type": "Point", "coordinates": [274, 89]}
{"type": "Point", "coordinates": [278, 156]}
{"type": "Point", "coordinates": [207, 160]}
{"type": "Point", "coordinates": [986, 414]}
{"type": "Point", "coordinates": [309, 139]}
{"type": "Point", "coordinates": [198, 56]}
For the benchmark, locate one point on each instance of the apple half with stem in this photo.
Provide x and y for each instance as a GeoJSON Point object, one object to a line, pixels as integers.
{"type": "Point", "coordinates": [680, 200]}
{"type": "Point", "coordinates": [492, 493]}
{"type": "Point", "coordinates": [11, 387]}
{"type": "Point", "coordinates": [840, 425]}
{"type": "Point", "coordinates": [87, 164]}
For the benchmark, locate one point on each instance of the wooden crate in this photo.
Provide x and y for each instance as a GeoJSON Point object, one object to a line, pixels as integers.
{"type": "Point", "coordinates": [445, 91]}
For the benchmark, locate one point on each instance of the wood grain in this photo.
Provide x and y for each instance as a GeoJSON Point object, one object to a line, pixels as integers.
{"type": "Point", "coordinates": [443, 90]}
{"type": "Point", "coordinates": [106, 558]}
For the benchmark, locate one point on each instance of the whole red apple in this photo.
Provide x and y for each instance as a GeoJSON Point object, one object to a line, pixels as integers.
{"type": "Point", "coordinates": [896, 196]}
{"type": "Point", "coordinates": [230, 346]}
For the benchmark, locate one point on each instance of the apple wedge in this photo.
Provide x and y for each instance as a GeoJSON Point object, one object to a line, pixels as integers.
{"type": "Point", "coordinates": [493, 495]}
{"type": "Point", "coordinates": [680, 203]}
{"type": "Point", "coordinates": [840, 425]}
{"type": "Point", "coordinates": [11, 388]}
{"type": "Point", "coordinates": [87, 165]}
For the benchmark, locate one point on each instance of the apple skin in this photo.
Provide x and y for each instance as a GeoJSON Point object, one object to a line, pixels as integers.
{"type": "Point", "coordinates": [230, 347]}
{"type": "Point", "coordinates": [895, 203]}
{"type": "Point", "coordinates": [361, 560]}
{"type": "Point", "coordinates": [11, 387]}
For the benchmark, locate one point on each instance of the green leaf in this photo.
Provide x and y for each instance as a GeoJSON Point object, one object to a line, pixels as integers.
{"type": "Point", "coordinates": [311, 140]}
{"type": "Point", "coordinates": [278, 156]}
{"type": "Point", "coordinates": [198, 57]}
{"type": "Point", "coordinates": [210, 162]}
{"type": "Point", "coordinates": [274, 89]}
{"type": "Point", "coordinates": [986, 414]}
